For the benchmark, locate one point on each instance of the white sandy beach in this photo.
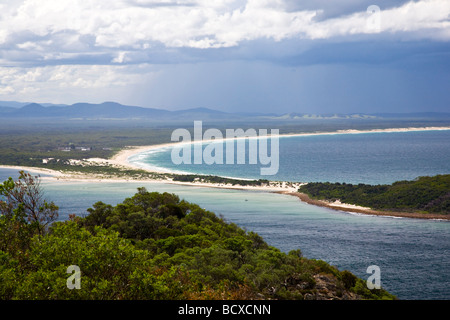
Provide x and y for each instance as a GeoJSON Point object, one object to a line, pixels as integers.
{"type": "Point", "coordinates": [54, 175]}
{"type": "Point", "coordinates": [281, 187]}
{"type": "Point", "coordinates": [121, 159]}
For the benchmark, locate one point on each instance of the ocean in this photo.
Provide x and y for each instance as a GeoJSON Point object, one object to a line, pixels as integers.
{"type": "Point", "coordinates": [413, 254]}
{"type": "Point", "coordinates": [373, 158]}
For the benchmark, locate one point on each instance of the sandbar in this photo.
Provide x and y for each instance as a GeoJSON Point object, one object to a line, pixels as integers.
{"type": "Point", "coordinates": [121, 159]}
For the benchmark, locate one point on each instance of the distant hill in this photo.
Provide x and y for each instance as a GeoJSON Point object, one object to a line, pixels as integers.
{"type": "Point", "coordinates": [109, 110]}
{"type": "Point", "coordinates": [15, 104]}
{"type": "Point", "coordinates": [298, 116]}
{"type": "Point", "coordinates": [106, 110]}
{"type": "Point", "coordinates": [114, 110]}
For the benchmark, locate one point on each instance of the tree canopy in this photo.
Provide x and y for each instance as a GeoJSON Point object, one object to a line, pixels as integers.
{"type": "Point", "coordinates": [425, 194]}
{"type": "Point", "coordinates": [157, 246]}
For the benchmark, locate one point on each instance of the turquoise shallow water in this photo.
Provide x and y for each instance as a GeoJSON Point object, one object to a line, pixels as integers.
{"type": "Point", "coordinates": [373, 158]}
{"type": "Point", "coordinates": [413, 255]}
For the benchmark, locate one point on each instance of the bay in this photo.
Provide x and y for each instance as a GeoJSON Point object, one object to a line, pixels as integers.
{"type": "Point", "coordinates": [413, 254]}
{"type": "Point", "coordinates": [372, 158]}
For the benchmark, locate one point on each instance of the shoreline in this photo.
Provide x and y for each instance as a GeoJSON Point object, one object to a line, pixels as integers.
{"type": "Point", "coordinates": [58, 176]}
{"type": "Point", "coordinates": [121, 158]}
{"type": "Point", "coordinates": [367, 211]}
{"type": "Point", "coordinates": [281, 187]}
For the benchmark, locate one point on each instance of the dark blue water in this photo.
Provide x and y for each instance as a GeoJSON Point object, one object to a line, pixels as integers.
{"type": "Point", "coordinates": [413, 254]}
{"type": "Point", "coordinates": [373, 158]}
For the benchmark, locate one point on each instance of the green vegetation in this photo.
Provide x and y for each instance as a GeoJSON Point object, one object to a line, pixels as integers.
{"type": "Point", "coordinates": [27, 142]}
{"type": "Point", "coordinates": [154, 246]}
{"type": "Point", "coordinates": [109, 171]}
{"type": "Point", "coordinates": [216, 179]}
{"type": "Point", "coordinates": [424, 194]}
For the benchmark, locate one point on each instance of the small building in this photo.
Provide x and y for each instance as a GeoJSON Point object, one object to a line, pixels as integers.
{"type": "Point", "coordinates": [83, 148]}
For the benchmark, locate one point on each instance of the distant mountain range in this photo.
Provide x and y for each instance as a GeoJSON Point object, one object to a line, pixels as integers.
{"type": "Point", "coordinates": [113, 110]}
{"type": "Point", "coordinates": [106, 110]}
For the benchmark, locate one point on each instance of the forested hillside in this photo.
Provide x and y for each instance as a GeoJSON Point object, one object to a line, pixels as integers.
{"type": "Point", "coordinates": [424, 194]}
{"type": "Point", "coordinates": [151, 246]}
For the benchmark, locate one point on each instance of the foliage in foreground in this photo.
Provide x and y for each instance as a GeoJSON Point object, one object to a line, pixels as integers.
{"type": "Point", "coordinates": [425, 194]}
{"type": "Point", "coordinates": [156, 246]}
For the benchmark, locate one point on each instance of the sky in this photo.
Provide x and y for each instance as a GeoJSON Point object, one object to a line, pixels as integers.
{"type": "Point", "coordinates": [270, 56]}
